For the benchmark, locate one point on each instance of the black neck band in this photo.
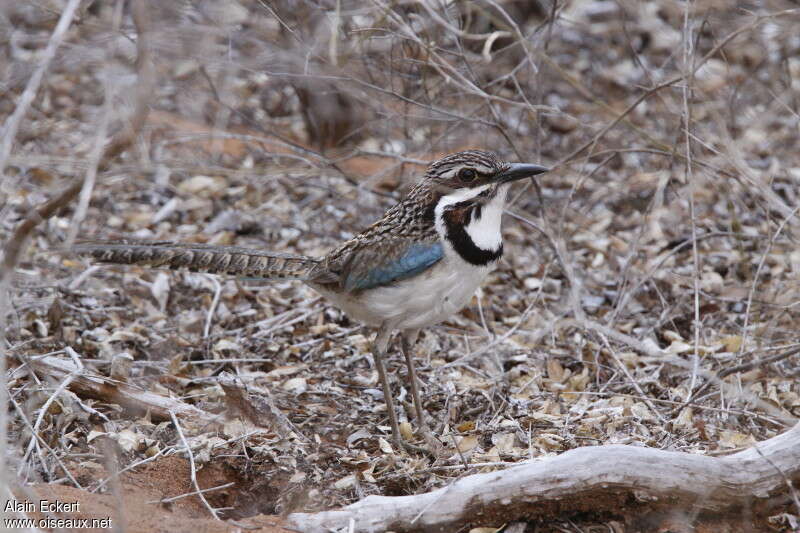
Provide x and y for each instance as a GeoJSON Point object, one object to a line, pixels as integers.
{"type": "Point", "coordinates": [456, 219]}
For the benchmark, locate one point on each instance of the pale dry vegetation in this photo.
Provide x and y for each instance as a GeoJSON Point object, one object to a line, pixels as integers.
{"type": "Point", "coordinates": [649, 294]}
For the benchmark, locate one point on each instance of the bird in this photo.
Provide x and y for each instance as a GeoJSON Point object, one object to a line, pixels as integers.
{"type": "Point", "coordinates": [414, 267]}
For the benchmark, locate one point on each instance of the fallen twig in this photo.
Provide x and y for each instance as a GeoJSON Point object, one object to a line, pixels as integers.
{"type": "Point", "coordinates": [87, 384]}
{"type": "Point", "coordinates": [193, 468]}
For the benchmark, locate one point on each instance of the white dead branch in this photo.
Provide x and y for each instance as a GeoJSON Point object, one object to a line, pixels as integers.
{"type": "Point", "coordinates": [606, 478]}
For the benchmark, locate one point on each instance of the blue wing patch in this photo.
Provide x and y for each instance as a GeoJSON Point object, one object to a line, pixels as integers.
{"type": "Point", "coordinates": [416, 259]}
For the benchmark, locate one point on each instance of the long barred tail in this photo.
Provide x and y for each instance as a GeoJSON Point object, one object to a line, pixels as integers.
{"type": "Point", "coordinates": [231, 260]}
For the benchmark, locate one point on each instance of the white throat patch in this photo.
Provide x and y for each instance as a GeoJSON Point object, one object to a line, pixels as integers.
{"type": "Point", "coordinates": [484, 231]}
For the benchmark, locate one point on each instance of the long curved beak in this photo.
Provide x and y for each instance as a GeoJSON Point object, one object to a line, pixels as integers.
{"type": "Point", "coordinates": [518, 171]}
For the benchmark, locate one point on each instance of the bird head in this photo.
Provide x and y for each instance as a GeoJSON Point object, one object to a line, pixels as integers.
{"type": "Point", "coordinates": [474, 175]}
{"type": "Point", "coordinates": [464, 195]}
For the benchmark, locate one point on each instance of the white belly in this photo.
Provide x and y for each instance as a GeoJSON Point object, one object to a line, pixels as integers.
{"type": "Point", "coordinates": [421, 301]}
{"type": "Point", "coordinates": [442, 290]}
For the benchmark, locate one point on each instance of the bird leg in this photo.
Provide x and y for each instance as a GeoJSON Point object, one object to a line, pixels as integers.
{"type": "Point", "coordinates": [378, 349]}
{"type": "Point", "coordinates": [407, 341]}
{"type": "Point", "coordinates": [379, 346]}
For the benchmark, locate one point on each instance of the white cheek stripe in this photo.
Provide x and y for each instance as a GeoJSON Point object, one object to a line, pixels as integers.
{"type": "Point", "coordinates": [460, 195]}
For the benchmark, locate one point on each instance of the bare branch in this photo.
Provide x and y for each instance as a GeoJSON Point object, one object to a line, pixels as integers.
{"type": "Point", "coordinates": [604, 475]}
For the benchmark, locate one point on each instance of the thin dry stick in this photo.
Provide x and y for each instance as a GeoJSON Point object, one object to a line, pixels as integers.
{"type": "Point", "coordinates": [688, 55]}
{"type": "Point", "coordinates": [672, 81]}
{"type": "Point", "coordinates": [164, 451]}
{"type": "Point", "coordinates": [464, 463]}
{"type": "Point", "coordinates": [497, 340]}
{"type": "Point", "coordinates": [654, 352]}
{"type": "Point", "coordinates": [631, 379]}
{"type": "Point", "coordinates": [457, 31]}
{"type": "Point", "coordinates": [16, 243]}
{"type": "Point", "coordinates": [193, 471]}
{"type": "Point", "coordinates": [91, 175]}
{"type": "Point", "coordinates": [131, 466]}
{"type": "Point", "coordinates": [120, 142]}
{"type": "Point", "coordinates": [88, 384]}
{"type": "Point", "coordinates": [45, 408]}
{"type": "Point", "coordinates": [111, 463]}
{"type": "Point", "coordinates": [789, 484]}
{"type": "Point", "coordinates": [213, 307]}
{"type": "Point", "coordinates": [187, 494]}
{"type": "Point", "coordinates": [39, 441]}
{"type": "Point", "coordinates": [752, 291]}
{"type": "Point", "coordinates": [146, 78]}
{"type": "Point", "coordinates": [42, 443]}
{"type": "Point", "coordinates": [11, 126]}
{"type": "Point", "coordinates": [96, 152]}
{"type": "Point", "coordinates": [744, 367]}
{"type": "Point", "coordinates": [11, 253]}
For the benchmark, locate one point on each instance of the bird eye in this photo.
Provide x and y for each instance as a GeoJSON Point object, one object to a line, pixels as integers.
{"type": "Point", "coordinates": [467, 175]}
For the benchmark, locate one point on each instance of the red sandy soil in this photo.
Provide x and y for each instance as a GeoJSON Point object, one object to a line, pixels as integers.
{"type": "Point", "coordinates": [134, 505]}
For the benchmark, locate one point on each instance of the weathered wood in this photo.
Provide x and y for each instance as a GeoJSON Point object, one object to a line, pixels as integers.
{"type": "Point", "coordinates": [89, 385]}
{"type": "Point", "coordinates": [603, 476]}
